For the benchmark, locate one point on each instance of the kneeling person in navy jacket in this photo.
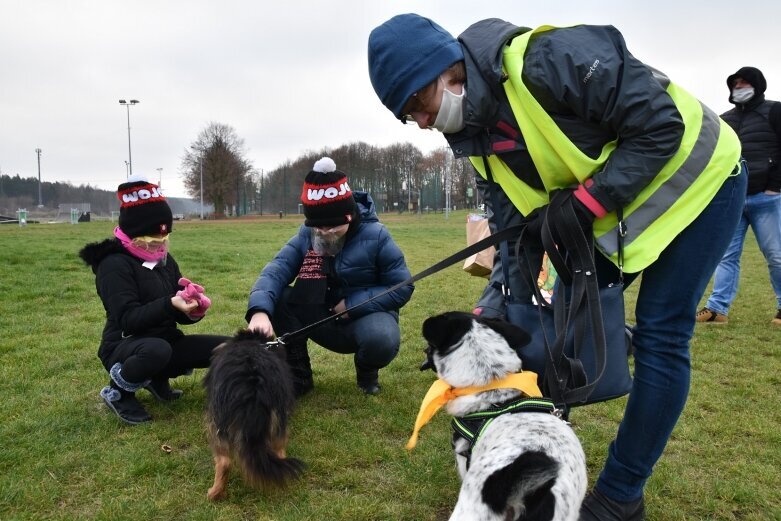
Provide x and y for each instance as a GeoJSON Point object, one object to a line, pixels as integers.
{"type": "Point", "coordinates": [340, 257]}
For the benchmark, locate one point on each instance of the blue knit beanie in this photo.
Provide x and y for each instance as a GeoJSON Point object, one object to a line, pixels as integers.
{"type": "Point", "coordinates": [406, 53]}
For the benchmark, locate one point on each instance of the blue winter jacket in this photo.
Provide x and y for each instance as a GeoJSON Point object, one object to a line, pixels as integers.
{"type": "Point", "coordinates": [369, 263]}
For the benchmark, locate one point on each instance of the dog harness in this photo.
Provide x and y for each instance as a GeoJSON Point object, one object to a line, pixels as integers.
{"type": "Point", "coordinates": [472, 426]}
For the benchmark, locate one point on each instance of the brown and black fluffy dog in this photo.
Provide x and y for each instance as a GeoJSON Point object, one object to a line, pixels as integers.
{"type": "Point", "coordinates": [250, 400]}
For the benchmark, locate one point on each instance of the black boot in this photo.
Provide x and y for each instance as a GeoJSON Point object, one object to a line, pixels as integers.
{"type": "Point", "coordinates": [125, 405]}
{"type": "Point", "coordinates": [300, 368]}
{"type": "Point", "coordinates": [162, 391]}
{"type": "Point", "coordinates": [368, 379]}
{"type": "Point", "coordinates": [599, 507]}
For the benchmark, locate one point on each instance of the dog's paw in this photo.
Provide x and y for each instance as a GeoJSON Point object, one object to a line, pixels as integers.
{"type": "Point", "coordinates": [216, 494]}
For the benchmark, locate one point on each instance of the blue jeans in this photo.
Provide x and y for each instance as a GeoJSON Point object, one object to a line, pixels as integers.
{"type": "Point", "coordinates": [669, 292]}
{"type": "Point", "coordinates": [374, 338]}
{"type": "Point", "coordinates": [763, 213]}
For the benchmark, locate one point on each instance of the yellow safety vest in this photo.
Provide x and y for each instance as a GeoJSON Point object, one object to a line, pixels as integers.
{"type": "Point", "coordinates": [707, 155]}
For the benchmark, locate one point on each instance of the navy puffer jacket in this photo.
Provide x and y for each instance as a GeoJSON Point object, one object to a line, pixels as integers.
{"type": "Point", "coordinates": [369, 263]}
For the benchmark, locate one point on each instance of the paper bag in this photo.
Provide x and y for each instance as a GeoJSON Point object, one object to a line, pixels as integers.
{"type": "Point", "coordinates": [481, 263]}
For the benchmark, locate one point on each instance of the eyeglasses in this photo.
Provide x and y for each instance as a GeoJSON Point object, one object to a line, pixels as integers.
{"type": "Point", "coordinates": [150, 243]}
{"type": "Point", "coordinates": [417, 103]}
{"type": "Point", "coordinates": [413, 105]}
{"type": "Point", "coordinates": [332, 229]}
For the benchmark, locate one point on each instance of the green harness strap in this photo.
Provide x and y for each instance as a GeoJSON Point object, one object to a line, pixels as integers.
{"type": "Point", "coordinates": [472, 426]}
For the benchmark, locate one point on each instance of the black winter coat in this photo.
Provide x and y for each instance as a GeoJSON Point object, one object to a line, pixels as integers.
{"type": "Point", "coordinates": [758, 125]}
{"type": "Point", "coordinates": [137, 300]}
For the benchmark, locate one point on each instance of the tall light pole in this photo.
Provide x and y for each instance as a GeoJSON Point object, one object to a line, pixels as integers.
{"type": "Point", "coordinates": [200, 161]}
{"type": "Point", "coordinates": [127, 105]}
{"type": "Point", "coordinates": [159, 177]}
{"type": "Point", "coordinates": [40, 197]}
{"type": "Point", "coordinates": [127, 173]}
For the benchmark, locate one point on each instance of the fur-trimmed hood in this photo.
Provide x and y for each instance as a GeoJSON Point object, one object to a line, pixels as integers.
{"type": "Point", "coordinates": [93, 253]}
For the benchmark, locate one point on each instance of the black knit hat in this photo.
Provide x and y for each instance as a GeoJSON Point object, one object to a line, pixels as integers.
{"type": "Point", "coordinates": [143, 209]}
{"type": "Point", "coordinates": [327, 198]}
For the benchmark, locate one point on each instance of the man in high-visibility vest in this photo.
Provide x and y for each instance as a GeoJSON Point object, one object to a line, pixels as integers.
{"type": "Point", "coordinates": [572, 109]}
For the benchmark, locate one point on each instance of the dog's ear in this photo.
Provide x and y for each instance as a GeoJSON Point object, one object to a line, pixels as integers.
{"type": "Point", "coordinates": [443, 331]}
{"type": "Point", "coordinates": [435, 330]}
{"type": "Point", "coordinates": [514, 335]}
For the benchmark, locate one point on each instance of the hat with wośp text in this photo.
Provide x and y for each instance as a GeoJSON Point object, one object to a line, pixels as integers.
{"type": "Point", "coordinates": [327, 198]}
{"type": "Point", "coordinates": [143, 209]}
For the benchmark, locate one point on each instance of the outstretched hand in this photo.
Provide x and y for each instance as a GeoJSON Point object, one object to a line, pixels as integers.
{"type": "Point", "coordinates": [186, 307]}
{"type": "Point", "coordinates": [262, 324]}
{"type": "Point", "coordinates": [194, 293]}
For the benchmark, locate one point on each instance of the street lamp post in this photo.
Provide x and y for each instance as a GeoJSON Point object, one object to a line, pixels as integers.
{"type": "Point", "coordinates": [40, 197]}
{"type": "Point", "coordinates": [200, 161]}
{"type": "Point", "coordinates": [127, 105]}
{"type": "Point", "coordinates": [127, 172]}
{"type": "Point", "coordinates": [159, 177]}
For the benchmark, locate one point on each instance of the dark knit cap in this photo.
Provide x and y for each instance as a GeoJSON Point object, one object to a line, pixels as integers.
{"type": "Point", "coordinates": [406, 53]}
{"type": "Point", "coordinates": [327, 198]}
{"type": "Point", "coordinates": [143, 209]}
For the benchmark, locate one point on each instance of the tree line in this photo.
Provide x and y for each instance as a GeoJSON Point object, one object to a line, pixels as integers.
{"type": "Point", "coordinates": [399, 178]}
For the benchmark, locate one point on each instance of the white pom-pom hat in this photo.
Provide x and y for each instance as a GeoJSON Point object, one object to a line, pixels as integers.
{"type": "Point", "coordinates": [143, 209]}
{"type": "Point", "coordinates": [327, 198]}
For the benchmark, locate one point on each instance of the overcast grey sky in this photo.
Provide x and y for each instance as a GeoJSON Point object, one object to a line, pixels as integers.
{"type": "Point", "coordinates": [289, 76]}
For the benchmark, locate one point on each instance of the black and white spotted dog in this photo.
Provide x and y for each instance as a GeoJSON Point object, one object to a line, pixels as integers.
{"type": "Point", "coordinates": [523, 465]}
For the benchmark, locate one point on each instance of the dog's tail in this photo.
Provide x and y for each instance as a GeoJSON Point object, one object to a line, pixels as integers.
{"type": "Point", "coordinates": [263, 467]}
{"type": "Point", "coordinates": [256, 435]}
{"type": "Point", "coordinates": [250, 400]}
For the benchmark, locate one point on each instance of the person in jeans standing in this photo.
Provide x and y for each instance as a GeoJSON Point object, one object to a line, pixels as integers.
{"type": "Point", "coordinates": [340, 257]}
{"type": "Point", "coordinates": [571, 109]}
{"type": "Point", "coordinates": [757, 122]}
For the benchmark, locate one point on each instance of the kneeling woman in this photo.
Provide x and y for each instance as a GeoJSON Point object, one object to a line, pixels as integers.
{"type": "Point", "coordinates": [145, 297]}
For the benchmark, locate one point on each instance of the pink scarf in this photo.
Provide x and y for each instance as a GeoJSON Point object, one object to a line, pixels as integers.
{"type": "Point", "coordinates": [135, 251]}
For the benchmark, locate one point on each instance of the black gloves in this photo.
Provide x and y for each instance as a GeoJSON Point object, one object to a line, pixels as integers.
{"type": "Point", "coordinates": [561, 201]}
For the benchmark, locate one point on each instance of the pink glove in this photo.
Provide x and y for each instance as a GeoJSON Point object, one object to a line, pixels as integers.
{"type": "Point", "coordinates": [192, 292]}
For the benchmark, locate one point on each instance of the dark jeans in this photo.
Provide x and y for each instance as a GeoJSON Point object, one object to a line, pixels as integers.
{"type": "Point", "coordinates": [670, 290]}
{"type": "Point", "coordinates": [145, 358]}
{"type": "Point", "coordinates": [373, 338]}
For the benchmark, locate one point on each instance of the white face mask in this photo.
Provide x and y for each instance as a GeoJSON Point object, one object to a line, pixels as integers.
{"type": "Point", "coordinates": [742, 94]}
{"type": "Point", "coordinates": [450, 118]}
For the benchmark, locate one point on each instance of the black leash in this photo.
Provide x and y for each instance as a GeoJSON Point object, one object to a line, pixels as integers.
{"type": "Point", "coordinates": [491, 240]}
{"type": "Point", "coordinates": [571, 251]}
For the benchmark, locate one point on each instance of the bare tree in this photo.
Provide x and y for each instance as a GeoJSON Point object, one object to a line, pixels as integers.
{"type": "Point", "coordinates": [220, 152]}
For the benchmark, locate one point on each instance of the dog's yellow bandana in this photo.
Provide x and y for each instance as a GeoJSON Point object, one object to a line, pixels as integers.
{"type": "Point", "coordinates": [441, 392]}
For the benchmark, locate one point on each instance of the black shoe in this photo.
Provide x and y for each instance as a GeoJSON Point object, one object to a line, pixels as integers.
{"type": "Point", "coordinates": [370, 389]}
{"type": "Point", "coordinates": [125, 405]}
{"type": "Point", "coordinates": [599, 507]}
{"type": "Point", "coordinates": [297, 357]}
{"type": "Point", "coordinates": [162, 391]}
{"type": "Point", "coordinates": [302, 387]}
{"type": "Point", "coordinates": [368, 380]}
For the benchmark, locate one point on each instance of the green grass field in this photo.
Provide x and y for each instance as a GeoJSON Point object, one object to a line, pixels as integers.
{"type": "Point", "coordinates": [64, 456]}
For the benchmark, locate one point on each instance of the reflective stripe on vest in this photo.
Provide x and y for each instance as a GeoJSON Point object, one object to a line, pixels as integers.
{"type": "Point", "coordinates": [708, 153]}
